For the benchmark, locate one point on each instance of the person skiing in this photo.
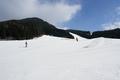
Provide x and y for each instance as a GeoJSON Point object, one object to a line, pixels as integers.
{"type": "Point", "coordinates": [26, 44]}
{"type": "Point", "coordinates": [77, 39]}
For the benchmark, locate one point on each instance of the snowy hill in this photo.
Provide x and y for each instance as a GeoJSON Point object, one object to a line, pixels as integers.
{"type": "Point", "coordinates": [52, 58]}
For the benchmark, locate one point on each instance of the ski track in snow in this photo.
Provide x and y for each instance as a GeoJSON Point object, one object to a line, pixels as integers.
{"type": "Point", "coordinates": [52, 58]}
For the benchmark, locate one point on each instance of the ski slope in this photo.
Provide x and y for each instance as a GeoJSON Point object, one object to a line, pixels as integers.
{"type": "Point", "coordinates": [52, 58]}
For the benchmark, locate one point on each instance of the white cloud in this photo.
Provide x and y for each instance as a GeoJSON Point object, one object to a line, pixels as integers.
{"type": "Point", "coordinates": [55, 13]}
{"type": "Point", "coordinates": [115, 24]}
{"type": "Point", "coordinates": [110, 26]}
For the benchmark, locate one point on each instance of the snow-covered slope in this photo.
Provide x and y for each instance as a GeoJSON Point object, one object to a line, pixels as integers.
{"type": "Point", "coordinates": [52, 58]}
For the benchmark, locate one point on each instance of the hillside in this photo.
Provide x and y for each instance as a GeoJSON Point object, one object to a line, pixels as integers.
{"type": "Point", "coordinates": [114, 33]}
{"type": "Point", "coordinates": [29, 28]}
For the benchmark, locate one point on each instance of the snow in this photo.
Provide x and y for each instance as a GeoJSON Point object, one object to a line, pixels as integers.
{"type": "Point", "coordinates": [52, 58]}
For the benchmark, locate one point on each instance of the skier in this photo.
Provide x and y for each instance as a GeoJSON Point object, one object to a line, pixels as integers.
{"type": "Point", "coordinates": [77, 39]}
{"type": "Point", "coordinates": [26, 44]}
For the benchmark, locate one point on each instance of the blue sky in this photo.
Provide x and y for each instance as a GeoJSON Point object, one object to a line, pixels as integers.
{"type": "Point", "coordinates": [76, 14]}
{"type": "Point", "coordinates": [94, 13]}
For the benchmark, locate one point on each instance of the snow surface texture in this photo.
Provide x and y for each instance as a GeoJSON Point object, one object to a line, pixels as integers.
{"type": "Point", "coordinates": [52, 58]}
